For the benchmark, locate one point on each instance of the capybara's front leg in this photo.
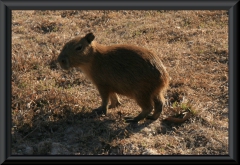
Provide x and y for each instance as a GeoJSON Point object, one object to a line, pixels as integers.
{"type": "Point", "coordinates": [105, 99]}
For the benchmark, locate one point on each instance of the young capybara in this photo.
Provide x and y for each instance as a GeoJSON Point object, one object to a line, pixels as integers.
{"type": "Point", "coordinates": [119, 69]}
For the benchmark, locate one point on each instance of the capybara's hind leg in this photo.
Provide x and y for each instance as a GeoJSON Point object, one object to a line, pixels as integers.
{"type": "Point", "coordinates": [146, 109]}
{"type": "Point", "coordinates": [114, 101]}
{"type": "Point", "coordinates": [141, 116]}
{"type": "Point", "coordinates": [158, 106]}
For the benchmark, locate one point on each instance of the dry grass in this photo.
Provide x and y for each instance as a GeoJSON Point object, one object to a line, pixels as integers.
{"type": "Point", "coordinates": [52, 110]}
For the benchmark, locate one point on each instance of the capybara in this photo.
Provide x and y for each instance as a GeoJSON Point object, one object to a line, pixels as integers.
{"type": "Point", "coordinates": [128, 70]}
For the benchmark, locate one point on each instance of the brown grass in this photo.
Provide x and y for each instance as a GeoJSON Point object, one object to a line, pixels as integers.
{"type": "Point", "coordinates": [52, 110]}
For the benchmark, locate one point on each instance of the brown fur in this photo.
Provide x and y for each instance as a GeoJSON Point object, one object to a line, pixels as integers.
{"type": "Point", "coordinates": [119, 69]}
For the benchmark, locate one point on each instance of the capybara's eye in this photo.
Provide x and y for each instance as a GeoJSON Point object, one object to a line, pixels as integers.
{"type": "Point", "coordinates": [79, 47]}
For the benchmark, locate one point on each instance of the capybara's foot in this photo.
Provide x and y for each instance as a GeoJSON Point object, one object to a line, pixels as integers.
{"type": "Point", "coordinates": [130, 119]}
{"type": "Point", "coordinates": [152, 117]}
{"type": "Point", "coordinates": [100, 111]}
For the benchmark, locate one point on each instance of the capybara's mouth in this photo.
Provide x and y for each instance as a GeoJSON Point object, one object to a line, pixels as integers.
{"type": "Point", "coordinates": [64, 67]}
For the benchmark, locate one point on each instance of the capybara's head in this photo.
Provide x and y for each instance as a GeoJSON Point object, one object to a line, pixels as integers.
{"type": "Point", "coordinates": [76, 52]}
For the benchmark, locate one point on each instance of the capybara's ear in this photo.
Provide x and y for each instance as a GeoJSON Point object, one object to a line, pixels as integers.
{"type": "Point", "coordinates": [89, 37]}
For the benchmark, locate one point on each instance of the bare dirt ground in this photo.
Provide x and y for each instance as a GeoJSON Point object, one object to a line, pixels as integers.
{"type": "Point", "coordinates": [52, 110]}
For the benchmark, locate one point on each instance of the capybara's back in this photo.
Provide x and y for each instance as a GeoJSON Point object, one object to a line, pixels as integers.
{"type": "Point", "coordinates": [119, 69]}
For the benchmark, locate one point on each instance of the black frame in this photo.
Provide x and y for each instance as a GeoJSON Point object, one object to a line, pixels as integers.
{"type": "Point", "coordinates": [5, 73]}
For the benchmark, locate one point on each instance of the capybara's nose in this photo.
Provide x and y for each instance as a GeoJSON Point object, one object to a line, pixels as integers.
{"type": "Point", "coordinates": [63, 61]}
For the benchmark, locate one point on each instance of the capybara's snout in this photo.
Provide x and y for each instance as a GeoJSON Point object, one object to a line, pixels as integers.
{"type": "Point", "coordinates": [63, 61]}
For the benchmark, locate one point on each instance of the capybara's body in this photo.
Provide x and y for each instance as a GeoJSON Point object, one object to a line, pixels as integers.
{"type": "Point", "coordinates": [119, 69]}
